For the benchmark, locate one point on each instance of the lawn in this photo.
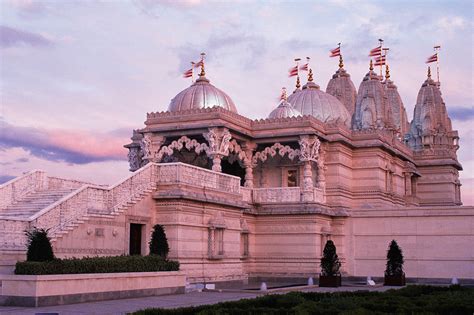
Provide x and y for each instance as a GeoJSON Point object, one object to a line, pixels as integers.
{"type": "Point", "coordinates": [409, 300]}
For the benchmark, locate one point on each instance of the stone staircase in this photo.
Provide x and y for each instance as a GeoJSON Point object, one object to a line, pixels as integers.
{"type": "Point", "coordinates": [33, 203]}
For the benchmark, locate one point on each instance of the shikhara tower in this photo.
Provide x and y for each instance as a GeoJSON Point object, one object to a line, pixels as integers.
{"type": "Point", "coordinates": [241, 197]}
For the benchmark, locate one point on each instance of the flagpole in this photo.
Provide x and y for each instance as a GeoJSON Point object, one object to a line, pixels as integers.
{"type": "Point", "coordinates": [385, 51]}
{"type": "Point", "coordinates": [341, 64]}
{"type": "Point", "coordinates": [381, 43]}
{"type": "Point", "coordinates": [436, 49]}
{"type": "Point", "coordinates": [297, 73]}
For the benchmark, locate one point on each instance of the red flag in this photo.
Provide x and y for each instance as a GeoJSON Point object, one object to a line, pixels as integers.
{"type": "Point", "coordinates": [380, 63]}
{"type": "Point", "coordinates": [188, 73]}
{"type": "Point", "coordinates": [377, 51]}
{"type": "Point", "coordinates": [304, 67]}
{"type": "Point", "coordinates": [433, 58]}
{"type": "Point", "coordinates": [335, 52]}
{"type": "Point", "coordinates": [198, 64]}
{"type": "Point", "coordinates": [293, 71]}
{"type": "Point", "coordinates": [379, 59]}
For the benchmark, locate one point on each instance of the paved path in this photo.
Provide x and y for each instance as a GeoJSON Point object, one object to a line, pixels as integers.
{"type": "Point", "coordinates": [165, 301]}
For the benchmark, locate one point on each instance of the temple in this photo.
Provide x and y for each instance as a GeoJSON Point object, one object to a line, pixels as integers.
{"type": "Point", "coordinates": [241, 197]}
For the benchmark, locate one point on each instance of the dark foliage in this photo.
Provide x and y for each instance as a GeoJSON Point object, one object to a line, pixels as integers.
{"type": "Point", "coordinates": [39, 245]}
{"type": "Point", "coordinates": [330, 263]}
{"type": "Point", "coordinates": [97, 265]}
{"type": "Point", "coordinates": [409, 300]}
{"type": "Point", "coordinates": [159, 243]}
{"type": "Point", "coordinates": [394, 260]}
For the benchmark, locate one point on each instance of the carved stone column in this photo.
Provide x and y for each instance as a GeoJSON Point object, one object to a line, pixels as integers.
{"type": "Point", "coordinates": [218, 139]}
{"type": "Point", "coordinates": [248, 149]}
{"type": "Point", "coordinates": [150, 145]}
{"type": "Point", "coordinates": [309, 152]}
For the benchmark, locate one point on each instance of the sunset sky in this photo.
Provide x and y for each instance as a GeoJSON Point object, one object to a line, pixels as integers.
{"type": "Point", "coordinates": [77, 76]}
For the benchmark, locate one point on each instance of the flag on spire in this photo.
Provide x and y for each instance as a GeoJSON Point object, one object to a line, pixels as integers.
{"type": "Point", "coordinates": [335, 52]}
{"type": "Point", "coordinates": [304, 67]}
{"type": "Point", "coordinates": [377, 51]}
{"type": "Point", "coordinates": [293, 71]}
{"type": "Point", "coordinates": [188, 73]}
{"type": "Point", "coordinates": [380, 60]}
{"type": "Point", "coordinates": [433, 58]}
{"type": "Point", "coordinates": [198, 64]}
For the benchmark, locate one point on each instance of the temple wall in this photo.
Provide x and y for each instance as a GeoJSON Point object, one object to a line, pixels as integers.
{"type": "Point", "coordinates": [436, 186]}
{"type": "Point", "coordinates": [436, 241]}
{"type": "Point", "coordinates": [107, 235]}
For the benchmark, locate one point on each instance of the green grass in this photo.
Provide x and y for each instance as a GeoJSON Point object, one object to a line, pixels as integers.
{"type": "Point", "coordinates": [410, 300]}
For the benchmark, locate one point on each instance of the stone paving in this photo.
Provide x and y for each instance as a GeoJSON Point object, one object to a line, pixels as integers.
{"type": "Point", "coordinates": [167, 301]}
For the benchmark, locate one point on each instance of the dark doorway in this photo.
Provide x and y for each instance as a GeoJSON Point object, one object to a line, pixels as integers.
{"type": "Point", "coordinates": [136, 239]}
{"type": "Point", "coordinates": [233, 169]}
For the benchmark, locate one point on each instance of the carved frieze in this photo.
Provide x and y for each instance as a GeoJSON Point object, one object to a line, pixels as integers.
{"type": "Point", "coordinates": [272, 151]}
{"type": "Point", "coordinates": [309, 148]}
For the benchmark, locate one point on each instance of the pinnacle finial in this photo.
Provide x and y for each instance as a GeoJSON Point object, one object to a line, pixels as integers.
{"type": "Point", "coordinates": [371, 66]}
{"type": "Point", "coordinates": [429, 72]}
{"type": "Point", "coordinates": [341, 63]}
{"type": "Point", "coordinates": [387, 72]}
{"type": "Point", "coordinates": [283, 96]}
{"type": "Point", "coordinates": [298, 85]}
{"type": "Point", "coordinates": [310, 75]}
{"type": "Point", "coordinates": [203, 72]}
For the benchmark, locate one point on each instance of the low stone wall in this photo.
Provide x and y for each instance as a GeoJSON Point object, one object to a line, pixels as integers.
{"type": "Point", "coordinates": [46, 290]}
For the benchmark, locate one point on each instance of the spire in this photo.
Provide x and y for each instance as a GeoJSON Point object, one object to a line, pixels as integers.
{"type": "Point", "coordinates": [371, 65]}
{"type": "Point", "coordinates": [310, 75]}
{"type": "Point", "coordinates": [298, 85]}
{"type": "Point", "coordinates": [203, 73]}
{"type": "Point", "coordinates": [387, 73]}
{"type": "Point", "coordinates": [429, 72]}
{"type": "Point", "coordinates": [341, 63]}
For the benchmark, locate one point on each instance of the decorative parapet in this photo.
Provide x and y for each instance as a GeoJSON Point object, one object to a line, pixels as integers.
{"type": "Point", "coordinates": [17, 188]}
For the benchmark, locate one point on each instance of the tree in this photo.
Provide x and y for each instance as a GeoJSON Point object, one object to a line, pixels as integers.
{"type": "Point", "coordinates": [39, 245]}
{"type": "Point", "coordinates": [394, 260]}
{"type": "Point", "coordinates": [159, 242]}
{"type": "Point", "coordinates": [330, 263]}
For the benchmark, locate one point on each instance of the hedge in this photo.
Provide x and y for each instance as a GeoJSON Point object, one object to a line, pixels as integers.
{"type": "Point", "coordinates": [409, 300]}
{"type": "Point", "coordinates": [96, 265]}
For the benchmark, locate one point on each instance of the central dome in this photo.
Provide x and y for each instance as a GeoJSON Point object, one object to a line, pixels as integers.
{"type": "Point", "coordinates": [323, 106]}
{"type": "Point", "coordinates": [201, 94]}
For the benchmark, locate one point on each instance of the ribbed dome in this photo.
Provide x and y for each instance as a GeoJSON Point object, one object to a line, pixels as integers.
{"type": "Point", "coordinates": [325, 107]}
{"type": "Point", "coordinates": [342, 87]}
{"type": "Point", "coordinates": [284, 110]}
{"type": "Point", "coordinates": [201, 94]}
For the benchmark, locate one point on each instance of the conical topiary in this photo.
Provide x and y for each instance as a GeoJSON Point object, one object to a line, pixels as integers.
{"type": "Point", "coordinates": [39, 245]}
{"type": "Point", "coordinates": [394, 260]}
{"type": "Point", "coordinates": [330, 263]}
{"type": "Point", "coordinates": [159, 242]}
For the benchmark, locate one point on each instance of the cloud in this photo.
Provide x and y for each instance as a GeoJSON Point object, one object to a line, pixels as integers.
{"type": "Point", "coordinates": [28, 8]}
{"type": "Point", "coordinates": [10, 37]}
{"type": "Point", "coordinates": [461, 113]}
{"type": "Point", "coordinates": [6, 178]}
{"type": "Point", "coordinates": [74, 147]}
{"type": "Point", "coordinates": [153, 8]}
{"type": "Point", "coordinates": [451, 23]}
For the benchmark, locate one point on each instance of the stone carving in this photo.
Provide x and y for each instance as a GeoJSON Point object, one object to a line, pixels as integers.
{"type": "Point", "coordinates": [272, 151]}
{"type": "Point", "coordinates": [145, 146]}
{"type": "Point", "coordinates": [309, 148]}
{"type": "Point", "coordinates": [135, 156]}
{"type": "Point", "coordinates": [183, 142]}
{"type": "Point", "coordinates": [219, 141]}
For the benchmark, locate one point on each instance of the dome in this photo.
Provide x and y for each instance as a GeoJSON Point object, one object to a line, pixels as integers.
{"type": "Point", "coordinates": [342, 87]}
{"type": "Point", "coordinates": [284, 110]}
{"type": "Point", "coordinates": [395, 103]}
{"type": "Point", "coordinates": [201, 94]}
{"type": "Point", "coordinates": [323, 106]}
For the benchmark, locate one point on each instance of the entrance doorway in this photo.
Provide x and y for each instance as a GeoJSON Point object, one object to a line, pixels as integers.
{"type": "Point", "coordinates": [136, 239]}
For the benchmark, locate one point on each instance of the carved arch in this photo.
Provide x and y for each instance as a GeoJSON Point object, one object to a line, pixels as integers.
{"type": "Point", "coordinates": [272, 151]}
{"type": "Point", "coordinates": [183, 142]}
{"type": "Point", "coordinates": [235, 148]}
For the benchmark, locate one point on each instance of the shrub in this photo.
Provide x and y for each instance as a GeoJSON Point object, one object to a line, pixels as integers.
{"type": "Point", "coordinates": [97, 265]}
{"type": "Point", "coordinates": [394, 260]}
{"type": "Point", "coordinates": [159, 242]}
{"type": "Point", "coordinates": [39, 245]}
{"type": "Point", "coordinates": [330, 263]}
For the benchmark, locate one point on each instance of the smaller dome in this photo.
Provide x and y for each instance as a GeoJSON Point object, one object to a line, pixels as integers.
{"type": "Point", "coordinates": [201, 94]}
{"type": "Point", "coordinates": [284, 110]}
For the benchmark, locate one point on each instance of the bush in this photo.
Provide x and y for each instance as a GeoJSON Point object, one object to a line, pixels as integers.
{"type": "Point", "coordinates": [39, 245]}
{"type": "Point", "coordinates": [159, 243]}
{"type": "Point", "coordinates": [409, 300]}
{"type": "Point", "coordinates": [394, 260]}
{"type": "Point", "coordinates": [97, 265]}
{"type": "Point", "coordinates": [330, 263]}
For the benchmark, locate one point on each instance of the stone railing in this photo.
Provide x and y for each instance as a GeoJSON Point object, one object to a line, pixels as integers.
{"type": "Point", "coordinates": [246, 194]}
{"type": "Point", "coordinates": [174, 173]}
{"type": "Point", "coordinates": [14, 190]}
{"type": "Point", "coordinates": [61, 183]}
{"type": "Point", "coordinates": [276, 194]}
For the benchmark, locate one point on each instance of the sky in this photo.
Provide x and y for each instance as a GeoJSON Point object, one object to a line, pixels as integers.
{"type": "Point", "coordinates": [77, 76]}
